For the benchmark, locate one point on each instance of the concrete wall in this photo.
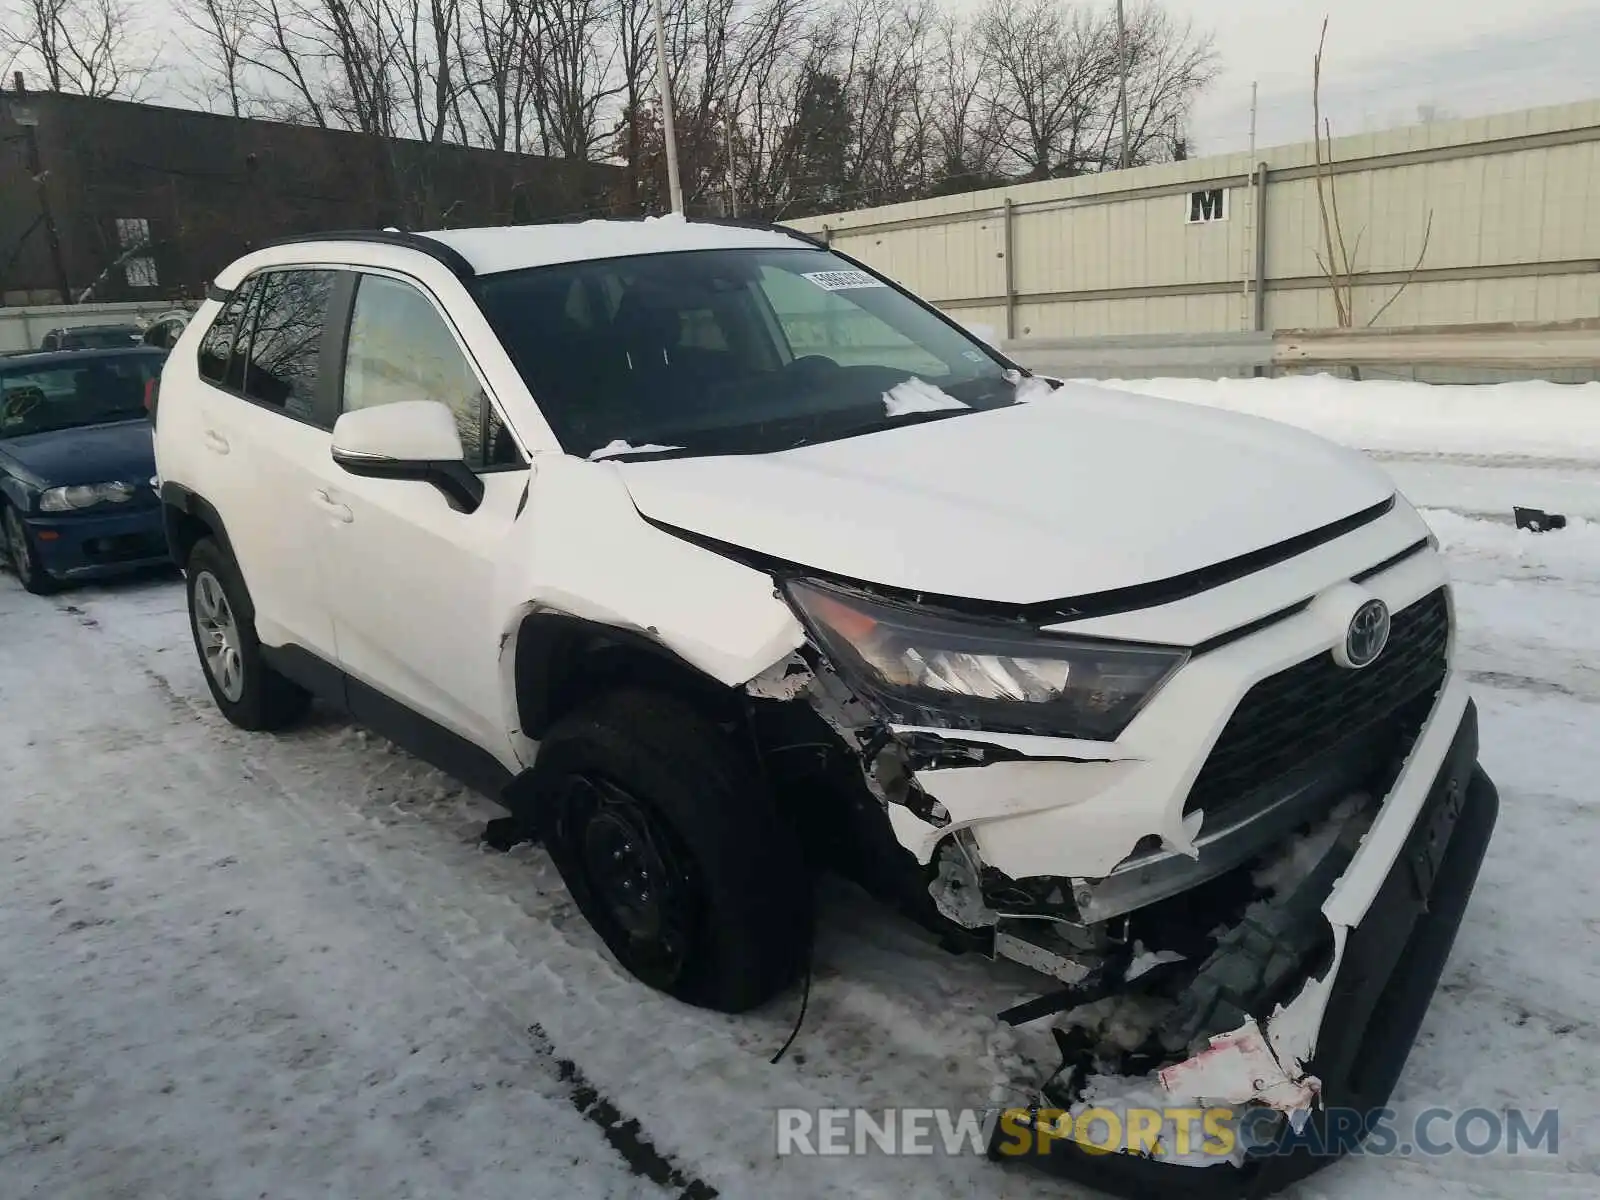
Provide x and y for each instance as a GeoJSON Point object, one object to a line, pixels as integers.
{"type": "Point", "coordinates": [1514, 202]}
{"type": "Point", "coordinates": [21, 327]}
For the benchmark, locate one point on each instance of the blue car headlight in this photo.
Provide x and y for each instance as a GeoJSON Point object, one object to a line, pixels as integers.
{"type": "Point", "coordinates": [85, 495]}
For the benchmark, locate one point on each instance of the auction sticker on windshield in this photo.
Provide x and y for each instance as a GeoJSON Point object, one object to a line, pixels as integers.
{"type": "Point", "coordinates": [842, 281]}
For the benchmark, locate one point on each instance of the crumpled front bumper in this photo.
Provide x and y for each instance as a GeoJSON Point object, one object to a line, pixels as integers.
{"type": "Point", "coordinates": [1393, 952]}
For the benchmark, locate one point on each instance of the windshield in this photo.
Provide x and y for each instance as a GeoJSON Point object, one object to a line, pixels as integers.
{"type": "Point", "coordinates": [731, 351]}
{"type": "Point", "coordinates": [67, 395]}
{"type": "Point", "coordinates": [100, 337]}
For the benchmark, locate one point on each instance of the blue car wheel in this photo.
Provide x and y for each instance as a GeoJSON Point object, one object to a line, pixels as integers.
{"type": "Point", "coordinates": [24, 562]}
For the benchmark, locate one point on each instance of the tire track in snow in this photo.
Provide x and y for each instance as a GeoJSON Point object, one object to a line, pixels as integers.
{"type": "Point", "coordinates": [623, 1132]}
{"type": "Point", "coordinates": [1489, 461]}
{"type": "Point", "coordinates": [699, 1081]}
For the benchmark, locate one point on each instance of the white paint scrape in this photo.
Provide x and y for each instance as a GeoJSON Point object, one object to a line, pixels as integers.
{"type": "Point", "coordinates": [1239, 1067]}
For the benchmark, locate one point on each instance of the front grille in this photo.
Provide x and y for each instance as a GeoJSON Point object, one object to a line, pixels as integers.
{"type": "Point", "coordinates": [1289, 718]}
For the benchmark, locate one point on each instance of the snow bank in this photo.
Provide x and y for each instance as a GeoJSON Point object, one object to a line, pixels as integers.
{"type": "Point", "coordinates": [1535, 418]}
{"type": "Point", "coordinates": [1572, 553]}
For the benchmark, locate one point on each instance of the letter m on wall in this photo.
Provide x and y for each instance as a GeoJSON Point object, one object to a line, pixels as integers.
{"type": "Point", "coordinates": [1208, 205]}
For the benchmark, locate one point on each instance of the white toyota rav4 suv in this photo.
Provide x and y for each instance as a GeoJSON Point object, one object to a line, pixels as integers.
{"type": "Point", "coordinates": [716, 557]}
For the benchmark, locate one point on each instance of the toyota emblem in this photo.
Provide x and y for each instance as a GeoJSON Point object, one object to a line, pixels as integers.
{"type": "Point", "coordinates": [1367, 635]}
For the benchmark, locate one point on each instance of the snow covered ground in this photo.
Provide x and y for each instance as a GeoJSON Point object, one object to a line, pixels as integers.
{"type": "Point", "coordinates": [248, 967]}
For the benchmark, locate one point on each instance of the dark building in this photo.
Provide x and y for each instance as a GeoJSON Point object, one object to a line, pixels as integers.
{"type": "Point", "coordinates": [147, 202]}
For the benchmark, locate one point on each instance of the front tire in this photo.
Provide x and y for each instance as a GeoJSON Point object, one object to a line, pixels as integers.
{"type": "Point", "coordinates": [22, 556]}
{"type": "Point", "coordinates": [675, 851]}
{"type": "Point", "coordinates": [249, 692]}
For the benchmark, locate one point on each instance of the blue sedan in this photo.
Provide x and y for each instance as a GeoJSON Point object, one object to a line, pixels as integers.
{"type": "Point", "coordinates": [77, 465]}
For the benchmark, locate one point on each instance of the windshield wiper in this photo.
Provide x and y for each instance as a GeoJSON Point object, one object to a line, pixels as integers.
{"type": "Point", "coordinates": [884, 423]}
{"type": "Point", "coordinates": [621, 450]}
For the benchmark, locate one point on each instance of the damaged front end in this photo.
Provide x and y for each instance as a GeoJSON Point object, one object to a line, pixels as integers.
{"type": "Point", "coordinates": [1257, 945]}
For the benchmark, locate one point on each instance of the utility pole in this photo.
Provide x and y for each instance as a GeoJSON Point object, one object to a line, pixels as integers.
{"type": "Point", "coordinates": [1253, 86]}
{"type": "Point", "coordinates": [29, 120]}
{"type": "Point", "coordinates": [727, 129]}
{"type": "Point", "coordinates": [1254, 215]}
{"type": "Point", "coordinates": [1122, 81]}
{"type": "Point", "coordinates": [673, 185]}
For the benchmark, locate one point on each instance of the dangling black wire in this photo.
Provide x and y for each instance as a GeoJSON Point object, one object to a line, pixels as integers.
{"type": "Point", "coordinates": [805, 999]}
{"type": "Point", "coordinates": [811, 930]}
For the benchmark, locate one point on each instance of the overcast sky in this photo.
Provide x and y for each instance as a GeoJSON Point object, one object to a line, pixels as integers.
{"type": "Point", "coordinates": [1387, 57]}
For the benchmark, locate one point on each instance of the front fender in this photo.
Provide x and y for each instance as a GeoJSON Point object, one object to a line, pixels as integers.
{"type": "Point", "coordinates": [593, 558]}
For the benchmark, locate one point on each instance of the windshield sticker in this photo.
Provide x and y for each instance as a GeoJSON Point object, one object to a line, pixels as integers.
{"type": "Point", "coordinates": [843, 281]}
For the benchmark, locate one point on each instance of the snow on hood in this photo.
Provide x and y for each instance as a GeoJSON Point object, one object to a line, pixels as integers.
{"type": "Point", "coordinates": [617, 446]}
{"type": "Point", "coordinates": [1081, 491]}
{"type": "Point", "coordinates": [917, 395]}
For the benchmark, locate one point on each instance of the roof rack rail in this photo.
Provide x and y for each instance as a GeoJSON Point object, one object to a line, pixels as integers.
{"type": "Point", "coordinates": [772, 226]}
{"type": "Point", "coordinates": [453, 260]}
{"type": "Point", "coordinates": [732, 222]}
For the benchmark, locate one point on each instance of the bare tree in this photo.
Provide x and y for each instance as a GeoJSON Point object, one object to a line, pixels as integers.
{"type": "Point", "coordinates": [965, 143]}
{"type": "Point", "coordinates": [492, 57]}
{"type": "Point", "coordinates": [1336, 258]}
{"type": "Point", "coordinates": [223, 28]}
{"type": "Point", "coordinates": [92, 47]}
{"type": "Point", "coordinates": [1169, 63]}
{"type": "Point", "coordinates": [1049, 70]}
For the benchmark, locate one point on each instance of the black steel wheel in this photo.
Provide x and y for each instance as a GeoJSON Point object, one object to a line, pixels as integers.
{"type": "Point", "coordinates": [674, 850]}
{"type": "Point", "coordinates": [645, 902]}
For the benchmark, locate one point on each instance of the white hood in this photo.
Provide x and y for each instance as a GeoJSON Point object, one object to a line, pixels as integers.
{"type": "Point", "coordinates": [1082, 491]}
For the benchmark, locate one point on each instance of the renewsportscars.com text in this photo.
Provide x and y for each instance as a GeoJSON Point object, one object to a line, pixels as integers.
{"type": "Point", "coordinates": [1165, 1132]}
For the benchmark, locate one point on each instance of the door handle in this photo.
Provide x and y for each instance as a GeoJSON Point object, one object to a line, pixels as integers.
{"type": "Point", "coordinates": [339, 512]}
{"type": "Point", "coordinates": [216, 443]}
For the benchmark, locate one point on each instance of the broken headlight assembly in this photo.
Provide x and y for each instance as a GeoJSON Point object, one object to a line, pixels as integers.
{"type": "Point", "coordinates": [917, 666]}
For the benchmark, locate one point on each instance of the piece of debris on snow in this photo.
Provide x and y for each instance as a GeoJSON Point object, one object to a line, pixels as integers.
{"type": "Point", "coordinates": [612, 449]}
{"type": "Point", "coordinates": [916, 395]}
{"type": "Point", "coordinates": [1239, 1067]}
{"type": "Point", "coordinates": [1536, 520]}
{"type": "Point", "coordinates": [783, 680]}
{"type": "Point", "coordinates": [1144, 961]}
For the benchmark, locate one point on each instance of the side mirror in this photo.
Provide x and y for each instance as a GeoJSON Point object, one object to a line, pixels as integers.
{"type": "Point", "coordinates": [411, 439]}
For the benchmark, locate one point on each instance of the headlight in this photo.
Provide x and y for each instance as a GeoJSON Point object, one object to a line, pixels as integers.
{"type": "Point", "coordinates": [923, 668]}
{"type": "Point", "coordinates": [85, 495]}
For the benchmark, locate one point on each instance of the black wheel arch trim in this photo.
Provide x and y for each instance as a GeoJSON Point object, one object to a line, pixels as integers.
{"type": "Point", "coordinates": [178, 499]}
{"type": "Point", "coordinates": [549, 644]}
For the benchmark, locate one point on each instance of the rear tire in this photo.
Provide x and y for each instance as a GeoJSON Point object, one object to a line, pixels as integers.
{"type": "Point", "coordinates": [21, 556]}
{"type": "Point", "coordinates": [673, 848]}
{"type": "Point", "coordinates": [249, 692]}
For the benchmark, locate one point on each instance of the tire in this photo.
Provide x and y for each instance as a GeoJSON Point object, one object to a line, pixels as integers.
{"type": "Point", "coordinates": [20, 554]}
{"type": "Point", "coordinates": [640, 786]}
{"type": "Point", "coordinates": [222, 620]}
